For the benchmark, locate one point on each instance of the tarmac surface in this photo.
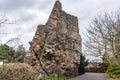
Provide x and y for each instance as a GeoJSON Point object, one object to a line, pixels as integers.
{"type": "Point", "coordinates": [90, 76]}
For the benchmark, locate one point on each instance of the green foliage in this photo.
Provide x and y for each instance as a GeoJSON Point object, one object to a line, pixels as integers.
{"type": "Point", "coordinates": [42, 45]}
{"type": "Point", "coordinates": [6, 52]}
{"type": "Point", "coordinates": [103, 67]}
{"type": "Point", "coordinates": [114, 71]}
{"type": "Point", "coordinates": [18, 71]}
{"type": "Point", "coordinates": [20, 53]}
{"type": "Point", "coordinates": [83, 63]}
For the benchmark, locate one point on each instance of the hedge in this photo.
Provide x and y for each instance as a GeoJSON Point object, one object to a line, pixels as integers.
{"type": "Point", "coordinates": [113, 71]}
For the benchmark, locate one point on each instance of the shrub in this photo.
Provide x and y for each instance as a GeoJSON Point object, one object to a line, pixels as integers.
{"type": "Point", "coordinates": [114, 71]}
{"type": "Point", "coordinates": [17, 71]}
{"type": "Point", "coordinates": [103, 67]}
{"type": "Point", "coordinates": [83, 63]}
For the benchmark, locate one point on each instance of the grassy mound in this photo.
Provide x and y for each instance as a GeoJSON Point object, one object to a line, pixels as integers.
{"type": "Point", "coordinates": [17, 71]}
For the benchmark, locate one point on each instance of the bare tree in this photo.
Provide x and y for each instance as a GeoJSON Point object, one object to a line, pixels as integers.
{"type": "Point", "coordinates": [15, 41]}
{"type": "Point", "coordinates": [3, 21]}
{"type": "Point", "coordinates": [102, 36]}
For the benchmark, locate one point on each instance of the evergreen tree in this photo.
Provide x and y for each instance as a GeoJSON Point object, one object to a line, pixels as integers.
{"type": "Point", "coordinates": [6, 53]}
{"type": "Point", "coordinates": [83, 63]}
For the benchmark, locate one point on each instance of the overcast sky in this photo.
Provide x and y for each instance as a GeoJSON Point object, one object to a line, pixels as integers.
{"type": "Point", "coordinates": [27, 14]}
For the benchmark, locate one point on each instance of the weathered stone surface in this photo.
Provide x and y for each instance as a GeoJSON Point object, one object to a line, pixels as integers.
{"type": "Point", "coordinates": [56, 46]}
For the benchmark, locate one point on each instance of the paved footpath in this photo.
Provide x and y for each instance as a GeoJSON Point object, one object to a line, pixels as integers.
{"type": "Point", "coordinates": [90, 76]}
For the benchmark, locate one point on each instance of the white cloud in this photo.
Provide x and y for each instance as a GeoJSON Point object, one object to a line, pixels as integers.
{"type": "Point", "coordinates": [27, 14]}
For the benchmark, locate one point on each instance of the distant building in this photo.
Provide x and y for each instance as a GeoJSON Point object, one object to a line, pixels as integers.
{"type": "Point", "coordinates": [1, 63]}
{"type": "Point", "coordinates": [92, 67]}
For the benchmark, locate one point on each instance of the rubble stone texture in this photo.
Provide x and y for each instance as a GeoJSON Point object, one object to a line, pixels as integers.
{"type": "Point", "coordinates": [56, 46]}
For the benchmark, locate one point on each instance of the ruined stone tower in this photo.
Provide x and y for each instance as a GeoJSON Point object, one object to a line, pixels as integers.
{"type": "Point", "coordinates": [56, 46]}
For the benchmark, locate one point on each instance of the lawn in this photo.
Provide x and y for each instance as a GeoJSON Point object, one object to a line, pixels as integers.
{"type": "Point", "coordinates": [54, 78]}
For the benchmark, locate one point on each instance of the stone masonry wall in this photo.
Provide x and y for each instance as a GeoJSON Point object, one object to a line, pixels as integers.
{"type": "Point", "coordinates": [56, 46]}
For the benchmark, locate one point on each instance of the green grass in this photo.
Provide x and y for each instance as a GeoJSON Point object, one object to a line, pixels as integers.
{"type": "Point", "coordinates": [54, 78]}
